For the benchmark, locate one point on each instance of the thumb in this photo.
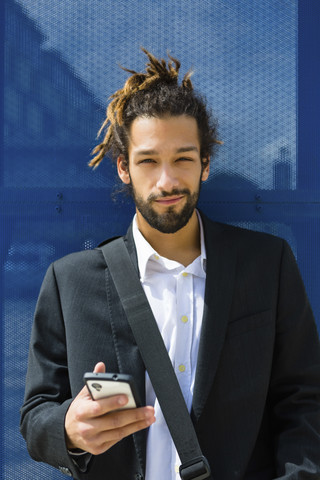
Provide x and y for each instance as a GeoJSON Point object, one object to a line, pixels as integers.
{"type": "Point", "coordinates": [100, 368]}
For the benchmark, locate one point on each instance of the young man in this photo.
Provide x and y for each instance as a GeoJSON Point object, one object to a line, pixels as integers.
{"type": "Point", "coordinates": [229, 303]}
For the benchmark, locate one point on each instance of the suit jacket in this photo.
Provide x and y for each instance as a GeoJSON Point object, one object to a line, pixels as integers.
{"type": "Point", "coordinates": [256, 404]}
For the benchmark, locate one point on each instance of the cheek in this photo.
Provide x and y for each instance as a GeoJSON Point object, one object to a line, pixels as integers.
{"type": "Point", "coordinates": [142, 180]}
{"type": "Point", "coordinates": [141, 184]}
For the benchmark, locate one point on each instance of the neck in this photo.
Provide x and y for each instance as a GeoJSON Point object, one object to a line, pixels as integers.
{"type": "Point", "coordinates": [183, 246]}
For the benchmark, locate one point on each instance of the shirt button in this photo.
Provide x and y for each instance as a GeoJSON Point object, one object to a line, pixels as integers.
{"type": "Point", "coordinates": [184, 319]}
{"type": "Point", "coordinates": [156, 256]}
{"type": "Point", "coordinates": [182, 368]}
{"type": "Point", "coordinates": [184, 274]}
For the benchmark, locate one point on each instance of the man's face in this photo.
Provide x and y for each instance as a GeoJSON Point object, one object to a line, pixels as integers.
{"type": "Point", "coordinates": [165, 170]}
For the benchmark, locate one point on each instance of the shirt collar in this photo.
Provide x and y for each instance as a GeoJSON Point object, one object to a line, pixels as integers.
{"type": "Point", "coordinates": [148, 256]}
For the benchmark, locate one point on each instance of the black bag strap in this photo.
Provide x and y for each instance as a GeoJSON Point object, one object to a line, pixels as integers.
{"type": "Point", "coordinates": [194, 465]}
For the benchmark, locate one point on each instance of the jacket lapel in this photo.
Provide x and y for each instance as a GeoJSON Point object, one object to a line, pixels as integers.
{"type": "Point", "coordinates": [221, 268]}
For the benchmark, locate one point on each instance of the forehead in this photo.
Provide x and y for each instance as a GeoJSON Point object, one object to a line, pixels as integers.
{"type": "Point", "coordinates": [166, 133]}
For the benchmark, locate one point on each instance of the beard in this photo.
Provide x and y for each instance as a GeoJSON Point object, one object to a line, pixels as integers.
{"type": "Point", "coordinates": [169, 221]}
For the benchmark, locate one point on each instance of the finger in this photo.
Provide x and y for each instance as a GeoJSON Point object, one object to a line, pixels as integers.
{"type": "Point", "coordinates": [84, 393]}
{"type": "Point", "coordinates": [121, 418]}
{"type": "Point", "coordinates": [95, 435]}
{"type": "Point", "coordinates": [101, 407]}
{"type": "Point", "coordinates": [103, 440]}
{"type": "Point", "coordinates": [100, 368]}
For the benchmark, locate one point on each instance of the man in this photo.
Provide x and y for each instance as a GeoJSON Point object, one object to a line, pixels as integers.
{"type": "Point", "coordinates": [229, 303]}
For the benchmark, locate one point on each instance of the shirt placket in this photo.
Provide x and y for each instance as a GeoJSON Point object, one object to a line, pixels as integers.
{"type": "Point", "coordinates": [184, 322]}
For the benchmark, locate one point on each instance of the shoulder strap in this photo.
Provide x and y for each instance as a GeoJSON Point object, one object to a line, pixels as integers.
{"type": "Point", "coordinates": [156, 359]}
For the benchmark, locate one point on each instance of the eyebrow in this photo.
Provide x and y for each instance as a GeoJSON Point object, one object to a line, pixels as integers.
{"type": "Point", "coordinates": [188, 148]}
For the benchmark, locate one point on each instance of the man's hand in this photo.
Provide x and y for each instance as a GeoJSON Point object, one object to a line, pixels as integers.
{"type": "Point", "coordinates": [94, 426]}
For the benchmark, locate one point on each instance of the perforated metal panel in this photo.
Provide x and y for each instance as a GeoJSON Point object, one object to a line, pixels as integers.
{"type": "Point", "coordinates": [60, 66]}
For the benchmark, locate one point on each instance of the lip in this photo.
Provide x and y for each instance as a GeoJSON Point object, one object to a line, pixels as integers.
{"type": "Point", "coordinates": [169, 200]}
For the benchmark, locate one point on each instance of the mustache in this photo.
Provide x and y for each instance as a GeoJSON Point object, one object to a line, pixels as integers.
{"type": "Point", "coordinates": [184, 191]}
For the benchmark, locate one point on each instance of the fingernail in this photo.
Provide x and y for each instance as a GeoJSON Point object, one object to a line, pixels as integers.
{"type": "Point", "coordinates": [151, 420]}
{"type": "Point", "coordinates": [122, 400]}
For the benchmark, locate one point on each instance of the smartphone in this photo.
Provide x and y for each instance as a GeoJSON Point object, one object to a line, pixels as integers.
{"type": "Point", "coordinates": [102, 385]}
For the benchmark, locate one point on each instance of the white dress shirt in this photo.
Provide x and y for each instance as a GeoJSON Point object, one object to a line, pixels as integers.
{"type": "Point", "coordinates": [176, 297]}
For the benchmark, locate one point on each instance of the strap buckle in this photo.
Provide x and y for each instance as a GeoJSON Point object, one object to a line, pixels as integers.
{"type": "Point", "coordinates": [196, 469]}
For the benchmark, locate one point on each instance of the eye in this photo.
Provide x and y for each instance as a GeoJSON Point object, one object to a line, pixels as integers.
{"type": "Point", "coordinates": [184, 159]}
{"type": "Point", "coordinates": [146, 161]}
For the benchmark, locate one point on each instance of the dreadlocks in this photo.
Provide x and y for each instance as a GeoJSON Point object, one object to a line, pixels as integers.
{"type": "Point", "coordinates": [153, 93]}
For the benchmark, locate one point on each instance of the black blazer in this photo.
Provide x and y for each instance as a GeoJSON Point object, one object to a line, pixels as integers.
{"type": "Point", "coordinates": [256, 404]}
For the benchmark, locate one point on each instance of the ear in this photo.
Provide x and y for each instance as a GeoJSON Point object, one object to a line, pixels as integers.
{"type": "Point", "coordinates": [123, 170]}
{"type": "Point", "coordinates": [206, 170]}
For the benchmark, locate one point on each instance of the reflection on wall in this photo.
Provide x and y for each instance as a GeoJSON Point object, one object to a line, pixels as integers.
{"type": "Point", "coordinates": [282, 170]}
{"type": "Point", "coordinates": [243, 55]}
{"type": "Point", "coordinates": [51, 117]}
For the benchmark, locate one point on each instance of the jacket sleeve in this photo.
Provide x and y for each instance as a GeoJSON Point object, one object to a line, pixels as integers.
{"type": "Point", "coordinates": [47, 394]}
{"type": "Point", "coordinates": [295, 381]}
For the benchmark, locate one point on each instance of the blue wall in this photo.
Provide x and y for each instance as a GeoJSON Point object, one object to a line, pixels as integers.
{"type": "Point", "coordinates": [259, 67]}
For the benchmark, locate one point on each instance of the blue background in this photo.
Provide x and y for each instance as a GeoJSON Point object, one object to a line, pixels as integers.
{"type": "Point", "coordinates": [258, 65]}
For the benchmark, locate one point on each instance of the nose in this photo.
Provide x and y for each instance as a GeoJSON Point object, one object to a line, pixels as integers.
{"type": "Point", "coordinates": [167, 179]}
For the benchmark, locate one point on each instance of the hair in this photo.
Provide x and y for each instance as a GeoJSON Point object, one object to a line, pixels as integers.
{"type": "Point", "coordinates": [154, 93]}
